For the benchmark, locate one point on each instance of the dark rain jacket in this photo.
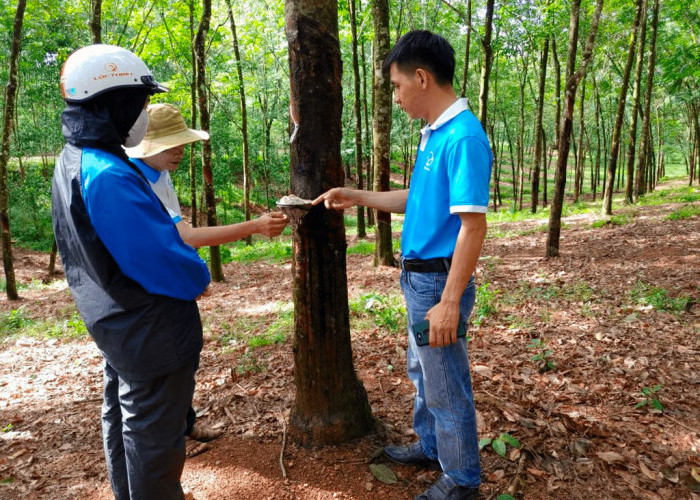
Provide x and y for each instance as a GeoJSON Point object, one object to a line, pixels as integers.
{"type": "Point", "coordinates": [142, 329]}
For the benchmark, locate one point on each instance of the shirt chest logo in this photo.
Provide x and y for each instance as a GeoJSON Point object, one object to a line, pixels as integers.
{"type": "Point", "coordinates": [429, 161]}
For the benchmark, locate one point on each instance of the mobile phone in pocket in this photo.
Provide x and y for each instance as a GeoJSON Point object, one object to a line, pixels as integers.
{"type": "Point", "coordinates": [421, 331]}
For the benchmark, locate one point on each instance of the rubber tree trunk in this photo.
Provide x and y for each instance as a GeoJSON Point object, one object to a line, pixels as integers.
{"type": "Point", "coordinates": [357, 109]}
{"type": "Point", "coordinates": [8, 113]}
{"type": "Point", "coordinates": [535, 189]}
{"type": "Point", "coordinates": [486, 64]}
{"type": "Point", "coordinates": [381, 130]}
{"type": "Point", "coordinates": [572, 81]}
{"type": "Point", "coordinates": [193, 111]}
{"type": "Point", "coordinates": [465, 75]}
{"type": "Point", "coordinates": [620, 118]}
{"type": "Point", "coordinates": [331, 404]}
{"type": "Point", "coordinates": [215, 269]}
{"type": "Point", "coordinates": [96, 21]}
{"type": "Point", "coordinates": [244, 120]}
{"type": "Point", "coordinates": [636, 94]}
{"type": "Point", "coordinates": [640, 185]}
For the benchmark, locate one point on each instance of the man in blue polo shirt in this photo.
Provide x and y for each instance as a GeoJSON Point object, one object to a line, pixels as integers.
{"type": "Point", "coordinates": [443, 232]}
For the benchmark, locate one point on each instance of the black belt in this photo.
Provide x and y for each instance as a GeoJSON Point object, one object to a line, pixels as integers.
{"type": "Point", "coordinates": [441, 265]}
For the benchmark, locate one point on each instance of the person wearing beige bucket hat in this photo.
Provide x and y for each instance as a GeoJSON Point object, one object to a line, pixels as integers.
{"type": "Point", "coordinates": [159, 153]}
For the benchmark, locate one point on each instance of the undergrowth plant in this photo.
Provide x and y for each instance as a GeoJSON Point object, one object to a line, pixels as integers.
{"type": "Point", "coordinates": [650, 399]}
{"type": "Point", "coordinates": [485, 304]}
{"type": "Point", "coordinates": [658, 298]}
{"type": "Point", "coordinates": [542, 357]}
{"type": "Point", "coordinates": [500, 443]}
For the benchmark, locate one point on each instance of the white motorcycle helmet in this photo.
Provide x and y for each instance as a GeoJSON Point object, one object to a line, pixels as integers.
{"type": "Point", "coordinates": [98, 68]}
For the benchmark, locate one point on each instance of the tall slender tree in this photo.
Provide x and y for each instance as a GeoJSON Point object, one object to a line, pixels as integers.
{"type": "Point", "coordinates": [573, 78]}
{"type": "Point", "coordinates": [217, 273]}
{"type": "Point", "coordinates": [381, 130]}
{"type": "Point", "coordinates": [96, 21]}
{"type": "Point", "coordinates": [539, 141]}
{"type": "Point", "coordinates": [244, 119]}
{"type": "Point", "coordinates": [357, 110]}
{"type": "Point", "coordinates": [7, 126]}
{"type": "Point", "coordinates": [646, 115]}
{"type": "Point", "coordinates": [331, 404]}
{"type": "Point", "coordinates": [486, 64]}
{"type": "Point", "coordinates": [636, 95]}
{"type": "Point", "coordinates": [465, 75]}
{"type": "Point", "coordinates": [193, 111]}
{"type": "Point", "coordinates": [620, 117]}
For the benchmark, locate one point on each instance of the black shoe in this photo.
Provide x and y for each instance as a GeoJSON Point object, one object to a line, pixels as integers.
{"type": "Point", "coordinates": [446, 489]}
{"type": "Point", "coordinates": [410, 455]}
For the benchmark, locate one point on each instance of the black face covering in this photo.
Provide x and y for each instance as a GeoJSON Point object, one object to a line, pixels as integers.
{"type": "Point", "coordinates": [104, 122]}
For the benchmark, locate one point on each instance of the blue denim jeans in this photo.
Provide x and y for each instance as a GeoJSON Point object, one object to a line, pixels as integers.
{"type": "Point", "coordinates": [444, 417]}
{"type": "Point", "coordinates": [143, 428]}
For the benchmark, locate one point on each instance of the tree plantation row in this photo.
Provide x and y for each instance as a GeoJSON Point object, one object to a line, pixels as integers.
{"type": "Point", "coordinates": [579, 98]}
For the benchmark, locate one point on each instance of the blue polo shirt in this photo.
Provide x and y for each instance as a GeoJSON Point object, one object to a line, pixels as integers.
{"type": "Point", "coordinates": [137, 232]}
{"type": "Point", "coordinates": [451, 176]}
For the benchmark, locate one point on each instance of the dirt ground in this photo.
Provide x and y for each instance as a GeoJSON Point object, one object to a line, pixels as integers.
{"type": "Point", "coordinates": [580, 433]}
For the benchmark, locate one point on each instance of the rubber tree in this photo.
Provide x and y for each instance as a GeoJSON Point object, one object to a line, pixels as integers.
{"type": "Point", "coordinates": [381, 129]}
{"type": "Point", "coordinates": [217, 273]}
{"type": "Point", "coordinates": [7, 118]}
{"type": "Point", "coordinates": [620, 117]}
{"type": "Point", "coordinates": [331, 405]}
{"type": "Point", "coordinates": [573, 78]}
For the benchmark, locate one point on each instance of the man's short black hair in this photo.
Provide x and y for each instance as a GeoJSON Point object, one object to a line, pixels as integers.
{"type": "Point", "coordinates": [423, 49]}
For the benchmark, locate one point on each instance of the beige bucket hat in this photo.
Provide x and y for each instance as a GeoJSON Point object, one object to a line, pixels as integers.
{"type": "Point", "coordinates": [166, 129]}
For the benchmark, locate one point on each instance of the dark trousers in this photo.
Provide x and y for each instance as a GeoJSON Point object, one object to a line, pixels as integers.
{"type": "Point", "coordinates": [143, 428]}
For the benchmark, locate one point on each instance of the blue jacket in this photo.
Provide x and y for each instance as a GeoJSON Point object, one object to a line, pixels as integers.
{"type": "Point", "coordinates": [133, 279]}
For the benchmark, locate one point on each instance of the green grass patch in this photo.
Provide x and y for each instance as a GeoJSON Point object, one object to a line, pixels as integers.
{"type": "Point", "coordinates": [485, 304]}
{"type": "Point", "coordinates": [277, 250]}
{"type": "Point", "coordinates": [363, 247]}
{"type": "Point", "coordinates": [685, 212]}
{"type": "Point", "coordinates": [659, 298]}
{"type": "Point", "coordinates": [613, 220]}
{"type": "Point", "coordinates": [371, 310]}
{"type": "Point", "coordinates": [16, 324]}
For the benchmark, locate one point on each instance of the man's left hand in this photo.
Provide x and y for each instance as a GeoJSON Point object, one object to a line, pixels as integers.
{"type": "Point", "coordinates": [444, 319]}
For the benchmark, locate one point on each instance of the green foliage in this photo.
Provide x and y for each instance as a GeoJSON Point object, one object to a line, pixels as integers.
{"type": "Point", "coordinates": [505, 496]}
{"type": "Point", "coordinates": [650, 399]}
{"type": "Point", "coordinates": [16, 323]}
{"type": "Point", "coordinates": [485, 304]}
{"type": "Point", "coordinates": [613, 220]}
{"type": "Point", "coordinates": [362, 247]}
{"type": "Point", "coordinates": [384, 311]}
{"type": "Point", "coordinates": [499, 444]}
{"type": "Point", "coordinates": [542, 357]}
{"type": "Point", "coordinates": [7, 428]}
{"type": "Point", "coordinates": [658, 298]}
{"type": "Point", "coordinates": [685, 212]}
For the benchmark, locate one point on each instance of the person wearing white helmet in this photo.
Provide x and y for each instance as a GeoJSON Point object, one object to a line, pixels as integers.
{"type": "Point", "coordinates": [134, 280]}
{"type": "Point", "coordinates": [159, 153]}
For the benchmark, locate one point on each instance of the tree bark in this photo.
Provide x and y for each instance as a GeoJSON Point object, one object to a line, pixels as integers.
{"type": "Point", "coordinates": [357, 109]}
{"type": "Point", "coordinates": [96, 21]}
{"type": "Point", "coordinates": [244, 120]}
{"type": "Point", "coordinates": [557, 93]}
{"type": "Point", "coordinates": [640, 185]}
{"type": "Point", "coordinates": [578, 177]}
{"type": "Point", "coordinates": [535, 189]}
{"type": "Point", "coordinates": [7, 119]}
{"type": "Point", "coordinates": [331, 404]}
{"type": "Point", "coordinates": [636, 92]}
{"type": "Point", "coordinates": [486, 64]}
{"type": "Point", "coordinates": [215, 269]}
{"type": "Point", "coordinates": [465, 75]}
{"type": "Point", "coordinates": [572, 81]}
{"type": "Point", "coordinates": [381, 130]}
{"type": "Point", "coordinates": [193, 112]}
{"type": "Point", "coordinates": [617, 131]}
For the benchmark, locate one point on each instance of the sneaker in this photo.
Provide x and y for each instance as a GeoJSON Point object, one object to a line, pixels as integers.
{"type": "Point", "coordinates": [446, 489]}
{"type": "Point", "coordinates": [410, 455]}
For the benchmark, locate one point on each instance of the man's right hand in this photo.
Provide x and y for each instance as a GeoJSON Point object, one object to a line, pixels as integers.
{"type": "Point", "coordinates": [272, 224]}
{"type": "Point", "coordinates": [337, 198]}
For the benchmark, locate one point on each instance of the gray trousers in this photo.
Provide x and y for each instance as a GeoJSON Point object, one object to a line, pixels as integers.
{"type": "Point", "coordinates": [143, 428]}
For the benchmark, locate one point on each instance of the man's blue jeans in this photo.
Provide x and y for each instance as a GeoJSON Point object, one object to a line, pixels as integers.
{"type": "Point", "coordinates": [444, 417]}
{"type": "Point", "coordinates": [143, 428]}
